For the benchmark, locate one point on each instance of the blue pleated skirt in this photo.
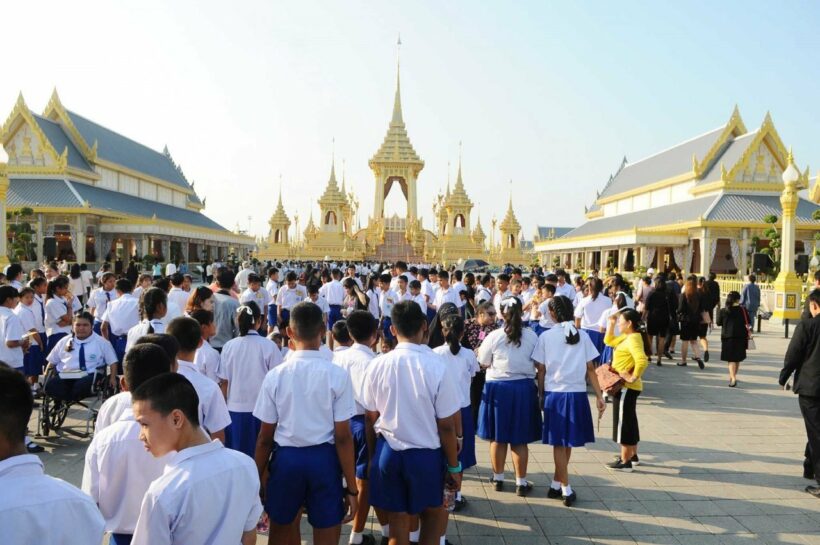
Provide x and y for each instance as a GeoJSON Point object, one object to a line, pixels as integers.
{"type": "Point", "coordinates": [606, 354]}
{"type": "Point", "coordinates": [567, 420]}
{"type": "Point", "coordinates": [467, 454]}
{"type": "Point", "coordinates": [242, 432]}
{"type": "Point", "coordinates": [509, 412]}
{"type": "Point", "coordinates": [597, 339]}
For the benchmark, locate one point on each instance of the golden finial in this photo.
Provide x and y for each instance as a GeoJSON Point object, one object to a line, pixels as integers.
{"type": "Point", "coordinates": [790, 158]}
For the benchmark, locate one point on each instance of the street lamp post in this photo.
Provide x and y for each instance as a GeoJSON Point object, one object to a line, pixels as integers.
{"type": "Point", "coordinates": [787, 285]}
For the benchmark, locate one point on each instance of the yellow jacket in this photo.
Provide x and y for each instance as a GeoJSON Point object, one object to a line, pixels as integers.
{"type": "Point", "coordinates": [628, 356]}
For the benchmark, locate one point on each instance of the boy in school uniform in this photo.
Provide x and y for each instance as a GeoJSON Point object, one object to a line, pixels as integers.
{"type": "Point", "coordinates": [305, 404]}
{"type": "Point", "coordinates": [417, 297]}
{"type": "Point", "coordinates": [341, 337]}
{"type": "Point", "coordinates": [411, 380]}
{"type": "Point", "coordinates": [28, 313]}
{"type": "Point", "coordinates": [445, 293]}
{"type": "Point", "coordinates": [120, 316]}
{"type": "Point", "coordinates": [177, 293]}
{"type": "Point", "coordinates": [207, 359]}
{"type": "Point", "coordinates": [261, 297]}
{"type": "Point", "coordinates": [34, 507]}
{"type": "Point", "coordinates": [118, 470]}
{"type": "Point", "coordinates": [387, 298]}
{"type": "Point", "coordinates": [334, 293]}
{"type": "Point", "coordinates": [315, 296]}
{"type": "Point", "coordinates": [208, 493]}
{"type": "Point", "coordinates": [272, 287]}
{"type": "Point", "coordinates": [100, 297]}
{"type": "Point", "coordinates": [288, 297]}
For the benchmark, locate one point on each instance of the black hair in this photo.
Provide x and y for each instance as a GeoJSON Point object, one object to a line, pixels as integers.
{"type": "Point", "coordinates": [385, 277]}
{"type": "Point", "coordinates": [225, 279]}
{"type": "Point", "coordinates": [562, 307]}
{"type": "Point", "coordinates": [186, 331]}
{"type": "Point", "coordinates": [814, 297]}
{"type": "Point", "coordinates": [453, 328]}
{"type": "Point", "coordinates": [444, 275]}
{"type": "Point", "coordinates": [204, 317]}
{"type": "Point", "coordinates": [25, 291]}
{"type": "Point", "coordinates": [551, 278]}
{"type": "Point", "coordinates": [503, 277]}
{"type": "Point", "coordinates": [7, 292]}
{"type": "Point", "coordinates": [162, 283]}
{"type": "Point", "coordinates": [169, 392]}
{"type": "Point", "coordinates": [414, 285]}
{"type": "Point", "coordinates": [361, 325]}
{"type": "Point", "coordinates": [168, 343]}
{"type": "Point", "coordinates": [484, 307]}
{"type": "Point", "coordinates": [731, 298]}
{"type": "Point", "coordinates": [486, 279]}
{"type": "Point", "coordinates": [144, 361]}
{"type": "Point", "coordinates": [511, 310]}
{"type": "Point", "coordinates": [307, 320]}
{"type": "Point", "coordinates": [752, 278]}
{"type": "Point", "coordinates": [595, 287]}
{"type": "Point", "coordinates": [336, 274]}
{"type": "Point", "coordinates": [247, 314]}
{"type": "Point", "coordinates": [123, 285]}
{"type": "Point", "coordinates": [291, 277]}
{"type": "Point", "coordinates": [340, 332]}
{"type": "Point", "coordinates": [549, 287]}
{"type": "Point", "coordinates": [152, 298]}
{"type": "Point", "coordinates": [313, 288]}
{"type": "Point", "coordinates": [53, 284]}
{"type": "Point", "coordinates": [253, 278]}
{"type": "Point", "coordinates": [177, 279]}
{"type": "Point", "coordinates": [16, 404]}
{"type": "Point", "coordinates": [79, 315]}
{"type": "Point", "coordinates": [634, 317]}
{"type": "Point", "coordinates": [37, 281]}
{"type": "Point", "coordinates": [15, 270]}
{"type": "Point", "coordinates": [458, 275]}
{"type": "Point", "coordinates": [408, 318]}
{"type": "Point", "coordinates": [272, 271]}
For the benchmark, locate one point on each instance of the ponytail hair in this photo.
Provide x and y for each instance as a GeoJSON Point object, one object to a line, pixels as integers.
{"type": "Point", "coordinates": [453, 329]}
{"type": "Point", "coordinates": [79, 315]}
{"type": "Point", "coordinates": [246, 317]}
{"type": "Point", "coordinates": [633, 316]}
{"type": "Point", "coordinates": [511, 310]}
{"type": "Point", "coordinates": [58, 282]}
{"type": "Point", "coordinates": [595, 286]}
{"type": "Point", "coordinates": [561, 306]}
{"type": "Point", "coordinates": [152, 298]}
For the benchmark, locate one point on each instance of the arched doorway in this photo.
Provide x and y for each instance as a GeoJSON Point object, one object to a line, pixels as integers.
{"type": "Point", "coordinates": [330, 218]}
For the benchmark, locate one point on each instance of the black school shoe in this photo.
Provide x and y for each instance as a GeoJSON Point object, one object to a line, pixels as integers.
{"type": "Point", "coordinates": [554, 493]}
{"type": "Point", "coordinates": [700, 363]}
{"type": "Point", "coordinates": [569, 500]}
{"type": "Point", "coordinates": [814, 491]}
{"type": "Point", "coordinates": [706, 356]}
{"type": "Point", "coordinates": [499, 485]}
{"type": "Point", "coordinates": [459, 504]}
{"type": "Point", "coordinates": [619, 465]}
{"type": "Point", "coordinates": [34, 448]}
{"type": "Point", "coordinates": [635, 460]}
{"type": "Point", "coordinates": [368, 539]}
{"type": "Point", "coordinates": [523, 489]}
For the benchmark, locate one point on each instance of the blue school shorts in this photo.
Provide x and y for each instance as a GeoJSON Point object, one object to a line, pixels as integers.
{"type": "Point", "coordinates": [285, 320]}
{"type": "Point", "coordinates": [97, 327]}
{"type": "Point", "coordinates": [33, 361]}
{"type": "Point", "coordinates": [119, 342]}
{"type": "Point", "coordinates": [406, 481]}
{"type": "Point", "coordinates": [357, 428]}
{"type": "Point", "coordinates": [271, 315]}
{"type": "Point", "coordinates": [309, 477]}
{"type": "Point", "coordinates": [334, 315]}
{"type": "Point", "coordinates": [386, 323]}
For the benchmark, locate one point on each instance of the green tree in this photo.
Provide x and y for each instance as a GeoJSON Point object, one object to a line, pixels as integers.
{"type": "Point", "coordinates": [20, 235]}
{"type": "Point", "coordinates": [773, 251]}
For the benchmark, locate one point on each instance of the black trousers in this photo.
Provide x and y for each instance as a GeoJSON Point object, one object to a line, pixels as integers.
{"type": "Point", "coordinates": [476, 389]}
{"type": "Point", "coordinates": [810, 409]}
{"type": "Point", "coordinates": [72, 389]}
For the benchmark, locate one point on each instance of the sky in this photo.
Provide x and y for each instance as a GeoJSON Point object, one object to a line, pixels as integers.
{"type": "Point", "coordinates": [545, 97]}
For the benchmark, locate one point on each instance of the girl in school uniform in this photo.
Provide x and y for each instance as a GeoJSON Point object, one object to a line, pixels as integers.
{"type": "Point", "coordinates": [244, 362]}
{"type": "Point", "coordinates": [619, 302]}
{"type": "Point", "coordinates": [545, 321]}
{"type": "Point", "coordinates": [153, 306]}
{"type": "Point", "coordinates": [463, 365]}
{"type": "Point", "coordinates": [509, 413]}
{"type": "Point", "coordinates": [567, 355]}
{"type": "Point", "coordinates": [60, 308]}
{"type": "Point", "coordinates": [372, 293]}
{"type": "Point", "coordinates": [29, 314]}
{"type": "Point", "coordinates": [100, 297]}
{"type": "Point", "coordinates": [588, 313]}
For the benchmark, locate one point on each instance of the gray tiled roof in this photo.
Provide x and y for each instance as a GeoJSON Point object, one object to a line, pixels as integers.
{"type": "Point", "coordinates": [661, 215]}
{"type": "Point", "coordinates": [728, 156]}
{"type": "Point", "coordinates": [755, 207]}
{"type": "Point", "coordinates": [60, 141]}
{"type": "Point", "coordinates": [543, 231]}
{"type": "Point", "coordinates": [666, 164]}
{"type": "Point", "coordinates": [118, 149]}
{"type": "Point", "coordinates": [30, 192]}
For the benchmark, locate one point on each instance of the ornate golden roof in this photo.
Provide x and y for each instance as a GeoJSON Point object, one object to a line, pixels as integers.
{"type": "Point", "coordinates": [510, 224]}
{"type": "Point", "coordinates": [332, 195]}
{"type": "Point", "coordinates": [396, 147]}
{"type": "Point", "coordinates": [478, 232]}
{"type": "Point", "coordinates": [458, 198]}
{"type": "Point", "coordinates": [279, 217]}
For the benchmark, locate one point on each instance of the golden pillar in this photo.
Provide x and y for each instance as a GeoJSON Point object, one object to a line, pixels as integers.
{"type": "Point", "coordinates": [4, 188]}
{"type": "Point", "coordinates": [787, 285]}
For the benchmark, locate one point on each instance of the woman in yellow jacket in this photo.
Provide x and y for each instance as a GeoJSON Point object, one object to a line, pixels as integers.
{"type": "Point", "coordinates": [629, 360]}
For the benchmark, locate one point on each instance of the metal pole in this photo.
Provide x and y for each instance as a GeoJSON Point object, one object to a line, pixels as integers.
{"type": "Point", "coordinates": [786, 322]}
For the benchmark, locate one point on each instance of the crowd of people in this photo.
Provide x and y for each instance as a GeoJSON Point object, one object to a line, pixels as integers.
{"type": "Point", "coordinates": [319, 390]}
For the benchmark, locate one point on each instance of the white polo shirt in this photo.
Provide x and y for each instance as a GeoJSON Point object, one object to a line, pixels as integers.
{"type": "Point", "coordinates": [141, 329]}
{"type": "Point", "coordinates": [122, 314]}
{"type": "Point", "coordinates": [463, 367]}
{"type": "Point", "coordinates": [272, 287]}
{"type": "Point", "coordinates": [590, 311]}
{"type": "Point", "coordinates": [305, 397]}
{"type": "Point", "coordinates": [179, 297]}
{"type": "Point", "coordinates": [288, 298]}
{"type": "Point", "coordinates": [37, 508]}
{"type": "Point", "coordinates": [320, 302]}
{"type": "Point", "coordinates": [213, 412]}
{"type": "Point", "coordinates": [410, 388]}
{"type": "Point", "coordinates": [261, 297]}
{"type": "Point", "coordinates": [503, 359]}
{"type": "Point", "coordinates": [334, 292]}
{"type": "Point", "coordinates": [458, 287]}
{"type": "Point", "coordinates": [11, 329]}
{"type": "Point", "coordinates": [355, 360]}
{"type": "Point", "coordinates": [244, 363]}
{"type": "Point", "coordinates": [172, 311]}
{"type": "Point", "coordinates": [484, 294]}
{"type": "Point", "coordinates": [427, 290]}
{"type": "Point", "coordinates": [449, 295]}
{"type": "Point", "coordinates": [98, 353]}
{"type": "Point", "coordinates": [566, 364]}
{"type": "Point", "coordinates": [567, 290]}
{"type": "Point", "coordinates": [546, 320]}
{"type": "Point", "coordinates": [112, 410]}
{"type": "Point", "coordinates": [98, 301]}
{"type": "Point", "coordinates": [386, 301]}
{"type": "Point", "coordinates": [55, 309]}
{"type": "Point", "coordinates": [118, 471]}
{"type": "Point", "coordinates": [29, 316]}
{"type": "Point", "coordinates": [420, 301]}
{"type": "Point", "coordinates": [207, 361]}
{"type": "Point", "coordinates": [208, 494]}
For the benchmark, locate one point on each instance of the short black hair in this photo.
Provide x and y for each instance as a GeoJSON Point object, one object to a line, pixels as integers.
{"type": "Point", "coordinates": [164, 341]}
{"type": "Point", "coordinates": [186, 331]}
{"type": "Point", "coordinates": [385, 277]}
{"type": "Point", "coordinates": [204, 317]}
{"type": "Point", "coordinates": [16, 404]}
{"type": "Point", "coordinates": [144, 361]}
{"type": "Point", "coordinates": [162, 283]}
{"type": "Point", "coordinates": [177, 279]}
{"type": "Point", "coordinates": [169, 392]}
{"type": "Point", "coordinates": [312, 288]}
{"type": "Point", "coordinates": [361, 325]}
{"type": "Point", "coordinates": [123, 285]}
{"type": "Point", "coordinates": [415, 285]}
{"type": "Point", "coordinates": [225, 279]}
{"type": "Point", "coordinates": [444, 275]}
{"type": "Point", "coordinates": [253, 278]}
{"type": "Point", "coordinates": [340, 332]}
{"type": "Point", "coordinates": [7, 292]}
{"type": "Point", "coordinates": [14, 270]}
{"type": "Point", "coordinates": [814, 296]}
{"type": "Point", "coordinates": [307, 320]}
{"type": "Point", "coordinates": [291, 277]}
{"type": "Point", "coordinates": [408, 318]}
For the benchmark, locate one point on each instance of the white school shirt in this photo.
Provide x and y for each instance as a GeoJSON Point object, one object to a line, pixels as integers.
{"type": "Point", "coordinates": [503, 359]}
{"type": "Point", "coordinates": [88, 279]}
{"type": "Point", "coordinates": [11, 329]}
{"type": "Point", "coordinates": [261, 297]}
{"type": "Point", "coordinates": [427, 290]}
{"type": "Point", "coordinates": [55, 309]}
{"type": "Point", "coordinates": [484, 294]}
{"type": "Point", "coordinates": [526, 297]}
{"type": "Point", "coordinates": [213, 411]}
{"type": "Point", "coordinates": [420, 301]}
{"type": "Point", "coordinates": [305, 397]}
{"type": "Point", "coordinates": [373, 303]}
{"type": "Point", "coordinates": [566, 364]}
{"type": "Point", "coordinates": [567, 290]}
{"type": "Point", "coordinates": [141, 329]}
{"type": "Point", "coordinates": [355, 361]}
{"type": "Point", "coordinates": [449, 295]}
{"type": "Point", "coordinates": [334, 292]}
{"type": "Point", "coordinates": [179, 297]}
{"type": "Point", "coordinates": [75, 285]}
{"type": "Point", "coordinates": [324, 351]}
{"type": "Point", "coordinates": [112, 410]}
{"type": "Point", "coordinates": [272, 287]}
{"type": "Point", "coordinates": [207, 361]}
{"type": "Point", "coordinates": [288, 298]}
{"type": "Point", "coordinates": [546, 320]}
{"type": "Point", "coordinates": [37, 508]}
{"type": "Point", "coordinates": [320, 302]}
{"type": "Point", "coordinates": [463, 367]}
{"type": "Point", "coordinates": [589, 311]}
{"type": "Point", "coordinates": [242, 278]}
{"type": "Point", "coordinates": [118, 471]}
{"type": "Point", "coordinates": [28, 314]}
{"type": "Point", "coordinates": [458, 287]}
{"type": "Point", "coordinates": [497, 302]}
{"type": "Point", "coordinates": [98, 301]}
{"type": "Point", "coordinates": [244, 363]}
{"type": "Point", "coordinates": [122, 314]}
{"type": "Point", "coordinates": [137, 292]}
{"type": "Point", "coordinates": [208, 494]}
{"type": "Point", "coordinates": [170, 269]}
{"type": "Point", "coordinates": [172, 310]}
{"type": "Point", "coordinates": [410, 388]}
{"type": "Point", "coordinates": [39, 306]}
{"type": "Point", "coordinates": [98, 353]}
{"type": "Point", "coordinates": [386, 301]}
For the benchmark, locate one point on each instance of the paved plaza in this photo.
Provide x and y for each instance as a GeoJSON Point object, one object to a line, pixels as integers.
{"type": "Point", "coordinates": [718, 465]}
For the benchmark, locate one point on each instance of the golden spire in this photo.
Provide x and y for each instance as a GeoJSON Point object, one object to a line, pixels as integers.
{"type": "Point", "coordinates": [459, 182]}
{"type": "Point", "coordinates": [344, 190]}
{"type": "Point", "coordinates": [397, 117]}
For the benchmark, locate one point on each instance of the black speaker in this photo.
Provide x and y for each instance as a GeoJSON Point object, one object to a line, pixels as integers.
{"type": "Point", "coordinates": [760, 262]}
{"type": "Point", "coordinates": [801, 264]}
{"type": "Point", "coordinates": [49, 248]}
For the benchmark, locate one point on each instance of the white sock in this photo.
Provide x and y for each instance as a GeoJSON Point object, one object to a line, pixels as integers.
{"type": "Point", "coordinates": [458, 495]}
{"type": "Point", "coordinates": [355, 538]}
{"type": "Point", "coordinates": [442, 540]}
{"type": "Point", "coordinates": [385, 530]}
{"type": "Point", "coordinates": [555, 485]}
{"type": "Point", "coordinates": [566, 490]}
{"type": "Point", "coordinates": [414, 536]}
{"type": "Point", "coordinates": [520, 481]}
{"type": "Point", "coordinates": [498, 476]}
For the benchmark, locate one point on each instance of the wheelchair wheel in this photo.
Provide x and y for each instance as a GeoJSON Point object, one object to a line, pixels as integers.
{"type": "Point", "coordinates": [53, 413]}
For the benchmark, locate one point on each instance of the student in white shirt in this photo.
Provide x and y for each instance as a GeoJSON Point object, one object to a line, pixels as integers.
{"type": "Point", "coordinates": [172, 309]}
{"type": "Point", "coordinates": [387, 299]}
{"type": "Point", "coordinates": [207, 494]}
{"type": "Point", "coordinates": [81, 354]}
{"type": "Point", "coordinates": [458, 286]}
{"type": "Point", "coordinates": [29, 320]}
{"type": "Point", "coordinates": [242, 276]}
{"type": "Point", "coordinates": [143, 283]}
{"type": "Point", "coordinates": [484, 292]}
{"type": "Point", "coordinates": [40, 287]}
{"type": "Point", "coordinates": [509, 413]}
{"type": "Point", "coordinates": [272, 287]}
{"type": "Point", "coordinates": [170, 268]}
{"type": "Point", "coordinates": [177, 295]}
{"type": "Point", "coordinates": [305, 406]}
{"type": "Point", "coordinates": [213, 415]}
{"type": "Point", "coordinates": [100, 298]}
{"type": "Point", "coordinates": [588, 313]}
{"type": "Point", "coordinates": [60, 308]}
{"type": "Point", "coordinates": [315, 296]}
{"type": "Point", "coordinates": [153, 307]}
{"type": "Point", "coordinates": [417, 297]}
{"type": "Point", "coordinates": [118, 470]}
{"type": "Point", "coordinates": [207, 359]}
{"type": "Point", "coordinates": [341, 337]}
{"type": "Point", "coordinates": [411, 401]}
{"type": "Point", "coordinates": [244, 363]}
{"type": "Point", "coordinates": [334, 293]}
{"type": "Point", "coordinates": [545, 322]}
{"type": "Point", "coordinates": [120, 316]}
{"type": "Point", "coordinates": [34, 507]}
{"type": "Point", "coordinates": [564, 287]}
{"type": "Point", "coordinates": [463, 365]}
{"type": "Point", "coordinates": [445, 293]}
{"type": "Point", "coordinates": [373, 296]}
{"type": "Point", "coordinates": [290, 295]}
{"type": "Point", "coordinates": [261, 297]}
{"type": "Point", "coordinates": [502, 283]}
{"type": "Point", "coordinates": [427, 292]}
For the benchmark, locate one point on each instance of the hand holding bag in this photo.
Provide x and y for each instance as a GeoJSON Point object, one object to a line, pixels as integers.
{"type": "Point", "coordinates": [750, 342]}
{"type": "Point", "coordinates": [609, 381]}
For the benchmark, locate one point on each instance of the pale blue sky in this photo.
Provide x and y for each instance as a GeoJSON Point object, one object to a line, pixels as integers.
{"type": "Point", "coordinates": [549, 94]}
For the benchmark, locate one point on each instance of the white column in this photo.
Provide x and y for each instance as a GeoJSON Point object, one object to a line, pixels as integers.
{"type": "Point", "coordinates": [705, 251]}
{"type": "Point", "coordinates": [744, 252]}
{"type": "Point", "coordinates": [79, 244]}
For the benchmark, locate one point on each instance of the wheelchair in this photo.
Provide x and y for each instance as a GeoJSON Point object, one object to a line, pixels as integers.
{"type": "Point", "coordinates": [53, 411]}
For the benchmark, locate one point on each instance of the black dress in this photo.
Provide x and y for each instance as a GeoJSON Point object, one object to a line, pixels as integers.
{"type": "Point", "coordinates": [733, 334]}
{"type": "Point", "coordinates": [689, 317]}
{"type": "Point", "coordinates": [657, 313]}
